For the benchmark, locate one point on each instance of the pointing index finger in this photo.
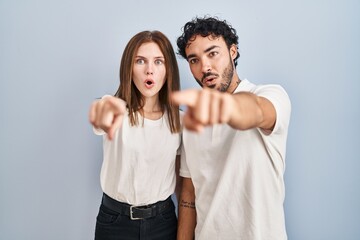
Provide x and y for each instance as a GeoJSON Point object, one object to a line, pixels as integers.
{"type": "Point", "coordinates": [186, 97]}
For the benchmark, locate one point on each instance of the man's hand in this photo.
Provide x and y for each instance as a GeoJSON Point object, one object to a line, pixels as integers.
{"type": "Point", "coordinates": [242, 110]}
{"type": "Point", "coordinates": [204, 107]}
{"type": "Point", "coordinates": [107, 114]}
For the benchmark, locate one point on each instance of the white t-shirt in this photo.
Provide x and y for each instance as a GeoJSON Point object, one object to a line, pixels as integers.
{"type": "Point", "coordinates": [238, 175]}
{"type": "Point", "coordinates": [139, 163]}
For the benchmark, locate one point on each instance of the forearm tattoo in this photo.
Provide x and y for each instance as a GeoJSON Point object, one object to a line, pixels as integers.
{"type": "Point", "coordinates": [187, 204]}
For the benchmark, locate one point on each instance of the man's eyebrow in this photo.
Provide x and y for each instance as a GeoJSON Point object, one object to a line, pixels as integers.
{"type": "Point", "coordinates": [206, 50]}
{"type": "Point", "coordinates": [210, 48]}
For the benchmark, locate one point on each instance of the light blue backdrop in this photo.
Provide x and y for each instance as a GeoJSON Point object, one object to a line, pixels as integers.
{"type": "Point", "coordinates": [57, 56]}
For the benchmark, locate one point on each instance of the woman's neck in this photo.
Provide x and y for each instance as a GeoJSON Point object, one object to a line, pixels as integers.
{"type": "Point", "coordinates": [152, 109]}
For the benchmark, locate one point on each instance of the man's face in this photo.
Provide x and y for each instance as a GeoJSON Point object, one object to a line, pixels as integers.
{"type": "Point", "coordinates": [211, 63]}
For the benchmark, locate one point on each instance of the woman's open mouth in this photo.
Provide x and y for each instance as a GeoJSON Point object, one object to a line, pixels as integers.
{"type": "Point", "coordinates": [149, 83]}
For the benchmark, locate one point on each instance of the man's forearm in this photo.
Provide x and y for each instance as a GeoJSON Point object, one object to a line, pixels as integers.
{"type": "Point", "coordinates": [178, 179]}
{"type": "Point", "coordinates": [187, 220]}
{"type": "Point", "coordinates": [187, 211]}
{"type": "Point", "coordinates": [252, 111]}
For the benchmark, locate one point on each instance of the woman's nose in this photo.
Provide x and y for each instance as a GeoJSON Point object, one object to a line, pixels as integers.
{"type": "Point", "coordinates": [149, 70]}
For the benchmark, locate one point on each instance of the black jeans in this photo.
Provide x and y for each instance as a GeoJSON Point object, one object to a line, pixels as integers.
{"type": "Point", "coordinates": [111, 225]}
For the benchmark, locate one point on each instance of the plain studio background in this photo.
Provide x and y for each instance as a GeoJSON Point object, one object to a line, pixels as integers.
{"type": "Point", "coordinates": [56, 57]}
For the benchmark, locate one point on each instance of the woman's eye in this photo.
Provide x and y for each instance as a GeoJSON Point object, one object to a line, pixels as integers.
{"type": "Point", "coordinates": [140, 61]}
{"type": "Point", "coordinates": [158, 62]}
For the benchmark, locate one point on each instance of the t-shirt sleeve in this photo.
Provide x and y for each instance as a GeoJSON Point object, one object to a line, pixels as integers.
{"type": "Point", "coordinates": [178, 151]}
{"type": "Point", "coordinates": [184, 170]}
{"type": "Point", "coordinates": [281, 102]}
{"type": "Point", "coordinates": [275, 141]}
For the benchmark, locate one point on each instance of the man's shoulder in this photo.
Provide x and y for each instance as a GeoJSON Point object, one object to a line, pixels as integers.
{"type": "Point", "coordinates": [244, 86]}
{"type": "Point", "coordinates": [247, 86]}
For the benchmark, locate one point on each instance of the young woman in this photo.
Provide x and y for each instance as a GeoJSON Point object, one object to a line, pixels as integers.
{"type": "Point", "coordinates": [141, 142]}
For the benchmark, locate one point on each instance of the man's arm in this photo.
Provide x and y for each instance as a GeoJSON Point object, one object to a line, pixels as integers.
{"type": "Point", "coordinates": [241, 111]}
{"type": "Point", "coordinates": [252, 111]}
{"type": "Point", "coordinates": [187, 211]}
{"type": "Point", "coordinates": [178, 178]}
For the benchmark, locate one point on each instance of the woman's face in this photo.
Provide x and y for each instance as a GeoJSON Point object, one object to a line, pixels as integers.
{"type": "Point", "coordinates": [149, 70]}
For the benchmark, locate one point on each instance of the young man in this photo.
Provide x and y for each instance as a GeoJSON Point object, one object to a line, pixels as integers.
{"type": "Point", "coordinates": [234, 145]}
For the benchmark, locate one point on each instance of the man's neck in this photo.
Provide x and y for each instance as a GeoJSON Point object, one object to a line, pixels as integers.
{"type": "Point", "coordinates": [234, 83]}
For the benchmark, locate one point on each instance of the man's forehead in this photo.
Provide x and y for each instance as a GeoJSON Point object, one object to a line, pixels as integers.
{"type": "Point", "coordinates": [199, 45]}
{"type": "Point", "coordinates": [197, 38]}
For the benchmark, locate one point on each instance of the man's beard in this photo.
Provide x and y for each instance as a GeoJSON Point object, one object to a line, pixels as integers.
{"type": "Point", "coordinates": [227, 75]}
{"type": "Point", "coordinates": [226, 78]}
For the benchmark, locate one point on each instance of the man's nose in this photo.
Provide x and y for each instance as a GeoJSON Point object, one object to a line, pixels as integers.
{"type": "Point", "coordinates": [205, 66]}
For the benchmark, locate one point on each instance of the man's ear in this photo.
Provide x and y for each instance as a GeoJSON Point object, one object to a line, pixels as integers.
{"type": "Point", "coordinates": [233, 51]}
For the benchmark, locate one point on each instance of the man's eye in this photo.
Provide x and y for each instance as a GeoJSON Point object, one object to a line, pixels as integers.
{"type": "Point", "coordinates": [212, 54]}
{"type": "Point", "coordinates": [193, 61]}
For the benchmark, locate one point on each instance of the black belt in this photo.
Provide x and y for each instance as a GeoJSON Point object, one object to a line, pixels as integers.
{"type": "Point", "coordinates": [136, 212]}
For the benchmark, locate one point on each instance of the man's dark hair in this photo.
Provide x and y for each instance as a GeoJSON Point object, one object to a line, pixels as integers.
{"type": "Point", "coordinates": [204, 27]}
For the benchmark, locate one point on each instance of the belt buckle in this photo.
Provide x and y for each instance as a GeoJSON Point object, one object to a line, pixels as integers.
{"type": "Point", "coordinates": [131, 214]}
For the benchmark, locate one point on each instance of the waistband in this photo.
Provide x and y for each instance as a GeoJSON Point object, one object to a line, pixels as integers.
{"type": "Point", "coordinates": [136, 212]}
